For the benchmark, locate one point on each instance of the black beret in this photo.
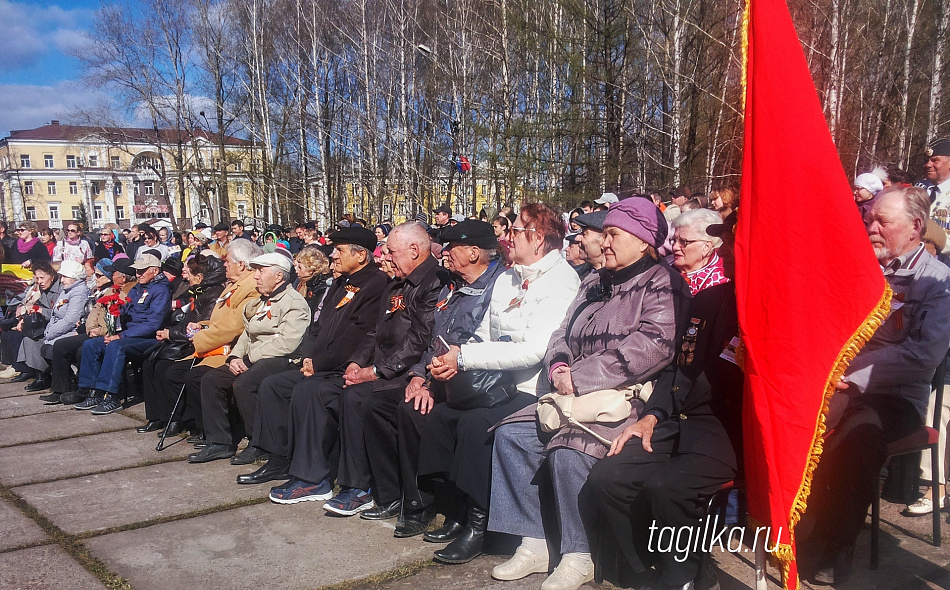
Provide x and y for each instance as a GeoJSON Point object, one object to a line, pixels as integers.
{"type": "Point", "coordinates": [359, 236]}
{"type": "Point", "coordinates": [472, 232]}
{"type": "Point", "coordinates": [593, 220]}
{"type": "Point", "coordinates": [939, 147]}
{"type": "Point", "coordinates": [222, 226]}
{"type": "Point", "coordinates": [173, 265]}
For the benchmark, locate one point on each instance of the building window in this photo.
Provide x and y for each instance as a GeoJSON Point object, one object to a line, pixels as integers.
{"type": "Point", "coordinates": [73, 188]}
{"type": "Point", "coordinates": [240, 188]}
{"type": "Point", "coordinates": [201, 162]}
{"type": "Point", "coordinates": [48, 160]}
{"type": "Point", "coordinates": [77, 212]}
{"type": "Point", "coordinates": [25, 161]}
{"type": "Point", "coordinates": [94, 186]}
{"type": "Point", "coordinates": [161, 190]}
{"type": "Point", "coordinates": [242, 209]}
{"type": "Point", "coordinates": [28, 187]}
{"type": "Point", "coordinates": [116, 163]}
{"type": "Point", "coordinates": [53, 211]}
{"type": "Point", "coordinates": [97, 212]}
{"type": "Point", "coordinates": [120, 212]}
{"type": "Point", "coordinates": [70, 161]}
{"type": "Point", "coordinates": [238, 166]}
{"type": "Point", "coordinates": [149, 188]}
{"type": "Point", "coordinates": [31, 213]}
{"type": "Point", "coordinates": [51, 188]}
{"type": "Point", "coordinates": [93, 161]}
{"type": "Point", "coordinates": [259, 209]}
{"type": "Point", "coordinates": [117, 188]}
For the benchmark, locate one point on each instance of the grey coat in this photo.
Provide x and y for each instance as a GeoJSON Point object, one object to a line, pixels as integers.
{"type": "Point", "coordinates": [68, 309]}
{"type": "Point", "coordinates": [618, 340]}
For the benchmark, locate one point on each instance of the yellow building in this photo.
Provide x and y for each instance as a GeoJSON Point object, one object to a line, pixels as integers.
{"type": "Point", "coordinates": [126, 176]}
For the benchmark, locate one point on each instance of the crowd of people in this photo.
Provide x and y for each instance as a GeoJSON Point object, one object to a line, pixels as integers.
{"type": "Point", "coordinates": [541, 374]}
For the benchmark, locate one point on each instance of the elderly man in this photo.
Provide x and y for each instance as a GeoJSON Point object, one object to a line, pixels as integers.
{"type": "Point", "coordinates": [299, 410]}
{"type": "Point", "coordinates": [592, 237]}
{"type": "Point", "coordinates": [937, 182]}
{"type": "Point", "coordinates": [393, 421]}
{"type": "Point", "coordinates": [274, 325]}
{"type": "Point", "coordinates": [222, 238]}
{"type": "Point", "coordinates": [886, 385]}
{"type": "Point", "coordinates": [103, 357]}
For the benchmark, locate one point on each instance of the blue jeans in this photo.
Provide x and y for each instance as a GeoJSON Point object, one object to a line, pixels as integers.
{"type": "Point", "coordinates": [103, 364]}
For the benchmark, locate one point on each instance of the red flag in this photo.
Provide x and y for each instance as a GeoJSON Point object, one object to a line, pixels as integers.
{"type": "Point", "coordinates": [809, 288]}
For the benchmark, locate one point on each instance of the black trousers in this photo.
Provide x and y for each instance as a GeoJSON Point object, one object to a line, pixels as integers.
{"type": "Point", "coordinates": [66, 352]}
{"type": "Point", "coordinates": [842, 488]}
{"type": "Point", "coordinates": [355, 471]}
{"type": "Point", "coordinates": [193, 400]}
{"type": "Point", "coordinates": [298, 419]}
{"type": "Point", "coordinates": [9, 349]}
{"type": "Point", "coordinates": [163, 381]}
{"type": "Point", "coordinates": [392, 430]}
{"type": "Point", "coordinates": [220, 384]}
{"type": "Point", "coordinates": [457, 445]}
{"type": "Point", "coordinates": [634, 490]}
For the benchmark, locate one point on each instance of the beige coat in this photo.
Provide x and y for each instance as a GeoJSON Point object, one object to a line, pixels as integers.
{"type": "Point", "coordinates": [97, 316]}
{"type": "Point", "coordinates": [227, 320]}
{"type": "Point", "coordinates": [273, 328]}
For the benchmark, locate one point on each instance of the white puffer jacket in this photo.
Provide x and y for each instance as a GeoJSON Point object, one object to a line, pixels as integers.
{"type": "Point", "coordinates": [552, 286]}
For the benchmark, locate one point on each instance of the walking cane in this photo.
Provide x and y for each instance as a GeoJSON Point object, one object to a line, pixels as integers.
{"type": "Point", "coordinates": [181, 394]}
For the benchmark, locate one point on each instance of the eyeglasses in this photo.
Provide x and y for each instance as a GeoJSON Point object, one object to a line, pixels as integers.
{"type": "Point", "coordinates": [682, 242]}
{"type": "Point", "coordinates": [521, 229]}
{"type": "Point", "coordinates": [72, 230]}
{"type": "Point", "coordinates": [22, 229]}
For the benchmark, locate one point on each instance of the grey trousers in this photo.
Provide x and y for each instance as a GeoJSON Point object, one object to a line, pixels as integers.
{"type": "Point", "coordinates": [519, 455]}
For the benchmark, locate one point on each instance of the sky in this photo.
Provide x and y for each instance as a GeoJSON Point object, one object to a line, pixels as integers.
{"type": "Point", "coordinates": [39, 79]}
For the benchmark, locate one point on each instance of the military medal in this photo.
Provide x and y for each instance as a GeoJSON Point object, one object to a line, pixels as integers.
{"type": "Point", "coordinates": [688, 348]}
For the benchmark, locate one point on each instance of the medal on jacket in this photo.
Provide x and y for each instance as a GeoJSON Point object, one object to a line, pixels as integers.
{"type": "Point", "coordinates": [688, 348]}
{"type": "Point", "coordinates": [226, 298]}
{"type": "Point", "coordinates": [445, 302]}
{"type": "Point", "coordinates": [396, 303]}
{"type": "Point", "coordinates": [516, 302]}
{"type": "Point", "coordinates": [351, 292]}
{"type": "Point", "coordinates": [142, 298]}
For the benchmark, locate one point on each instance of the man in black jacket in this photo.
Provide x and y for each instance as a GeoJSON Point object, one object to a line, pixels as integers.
{"type": "Point", "coordinates": [298, 411]}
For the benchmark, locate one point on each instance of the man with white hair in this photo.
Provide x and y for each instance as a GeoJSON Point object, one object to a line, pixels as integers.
{"type": "Point", "coordinates": [274, 325]}
{"type": "Point", "coordinates": [886, 386]}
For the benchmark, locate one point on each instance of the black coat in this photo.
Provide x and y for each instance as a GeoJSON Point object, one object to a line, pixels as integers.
{"type": "Point", "coordinates": [198, 302]}
{"type": "Point", "coordinates": [346, 331]}
{"type": "Point", "coordinates": [37, 252]}
{"type": "Point", "coordinates": [102, 252]}
{"type": "Point", "coordinates": [702, 397]}
{"type": "Point", "coordinates": [404, 328]}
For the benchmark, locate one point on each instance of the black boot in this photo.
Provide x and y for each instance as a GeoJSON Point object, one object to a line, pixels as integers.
{"type": "Point", "coordinates": [468, 545]}
{"type": "Point", "coordinates": [448, 532]}
{"type": "Point", "coordinates": [42, 382]}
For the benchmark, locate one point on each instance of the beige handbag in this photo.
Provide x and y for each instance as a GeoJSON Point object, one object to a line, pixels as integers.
{"type": "Point", "coordinates": [604, 406]}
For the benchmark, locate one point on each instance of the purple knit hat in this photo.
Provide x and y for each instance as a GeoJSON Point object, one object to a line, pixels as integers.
{"type": "Point", "coordinates": [639, 217]}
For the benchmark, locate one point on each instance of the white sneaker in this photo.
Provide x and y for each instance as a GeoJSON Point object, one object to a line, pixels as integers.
{"type": "Point", "coordinates": [8, 373]}
{"type": "Point", "coordinates": [923, 507]}
{"type": "Point", "coordinates": [573, 572]}
{"type": "Point", "coordinates": [523, 563]}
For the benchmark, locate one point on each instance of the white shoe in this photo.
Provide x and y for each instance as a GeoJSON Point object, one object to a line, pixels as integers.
{"type": "Point", "coordinates": [8, 373]}
{"type": "Point", "coordinates": [572, 573]}
{"type": "Point", "coordinates": [923, 507]}
{"type": "Point", "coordinates": [523, 563]}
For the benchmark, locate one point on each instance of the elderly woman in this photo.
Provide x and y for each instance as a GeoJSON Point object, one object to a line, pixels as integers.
{"type": "Point", "coordinates": [29, 248]}
{"type": "Point", "coordinates": [694, 251]}
{"type": "Point", "coordinates": [696, 405]}
{"type": "Point", "coordinates": [39, 299]}
{"type": "Point", "coordinates": [166, 367]}
{"type": "Point", "coordinates": [620, 331]}
{"type": "Point", "coordinates": [527, 304]}
{"type": "Point", "coordinates": [313, 276]}
{"type": "Point", "coordinates": [67, 311]}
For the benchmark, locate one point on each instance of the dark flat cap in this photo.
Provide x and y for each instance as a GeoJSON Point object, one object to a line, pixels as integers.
{"type": "Point", "coordinates": [173, 265]}
{"type": "Point", "coordinates": [355, 235]}
{"type": "Point", "coordinates": [593, 220]}
{"type": "Point", "coordinates": [222, 226]}
{"type": "Point", "coordinates": [123, 265]}
{"type": "Point", "coordinates": [939, 147]}
{"type": "Point", "coordinates": [310, 225]}
{"type": "Point", "coordinates": [144, 227]}
{"type": "Point", "coordinates": [443, 208]}
{"type": "Point", "coordinates": [573, 238]}
{"type": "Point", "coordinates": [472, 232]}
{"type": "Point", "coordinates": [201, 225]}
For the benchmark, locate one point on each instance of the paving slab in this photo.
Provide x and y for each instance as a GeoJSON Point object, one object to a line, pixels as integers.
{"type": "Point", "coordinates": [261, 546]}
{"type": "Point", "coordinates": [61, 459]}
{"type": "Point", "coordinates": [40, 427]}
{"type": "Point", "coordinates": [136, 411]}
{"type": "Point", "coordinates": [140, 494]}
{"type": "Point", "coordinates": [26, 405]}
{"type": "Point", "coordinates": [41, 568]}
{"type": "Point", "coordinates": [16, 530]}
{"type": "Point", "coordinates": [16, 390]}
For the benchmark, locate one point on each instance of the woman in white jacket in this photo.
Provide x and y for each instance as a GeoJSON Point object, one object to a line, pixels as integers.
{"type": "Point", "coordinates": [527, 304]}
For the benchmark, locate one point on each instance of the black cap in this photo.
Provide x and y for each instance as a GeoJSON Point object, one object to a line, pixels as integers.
{"type": "Point", "coordinates": [716, 230]}
{"type": "Point", "coordinates": [939, 147]}
{"type": "Point", "coordinates": [173, 265]}
{"type": "Point", "coordinates": [573, 238]}
{"type": "Point", "coordinates": [201, 225]}
{"type": "Point", "coordinates": [222, 226]}
{"type": "Point", "coordinates": [443, 208]}
{"type": "Point", "coordinates": [310, 225]}
{"type": "Point", "coordinates": [472, 232]}
{"type": "Point", "coordinates": [594, 220]}
{"type": "Point", "coordinates": [123, 265]}
{"type": "Point", "coordinates": [144, 227]}
{"type": "Point", "coordinates": [355, 235]}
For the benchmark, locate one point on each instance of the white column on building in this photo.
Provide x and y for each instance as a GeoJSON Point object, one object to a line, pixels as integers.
{"type": "Point", "coordinates": [16, 197]}
{"type": "Point", "coordinates": [108, 200]}
{"type": "Point", "coordinates": [130, 191]}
